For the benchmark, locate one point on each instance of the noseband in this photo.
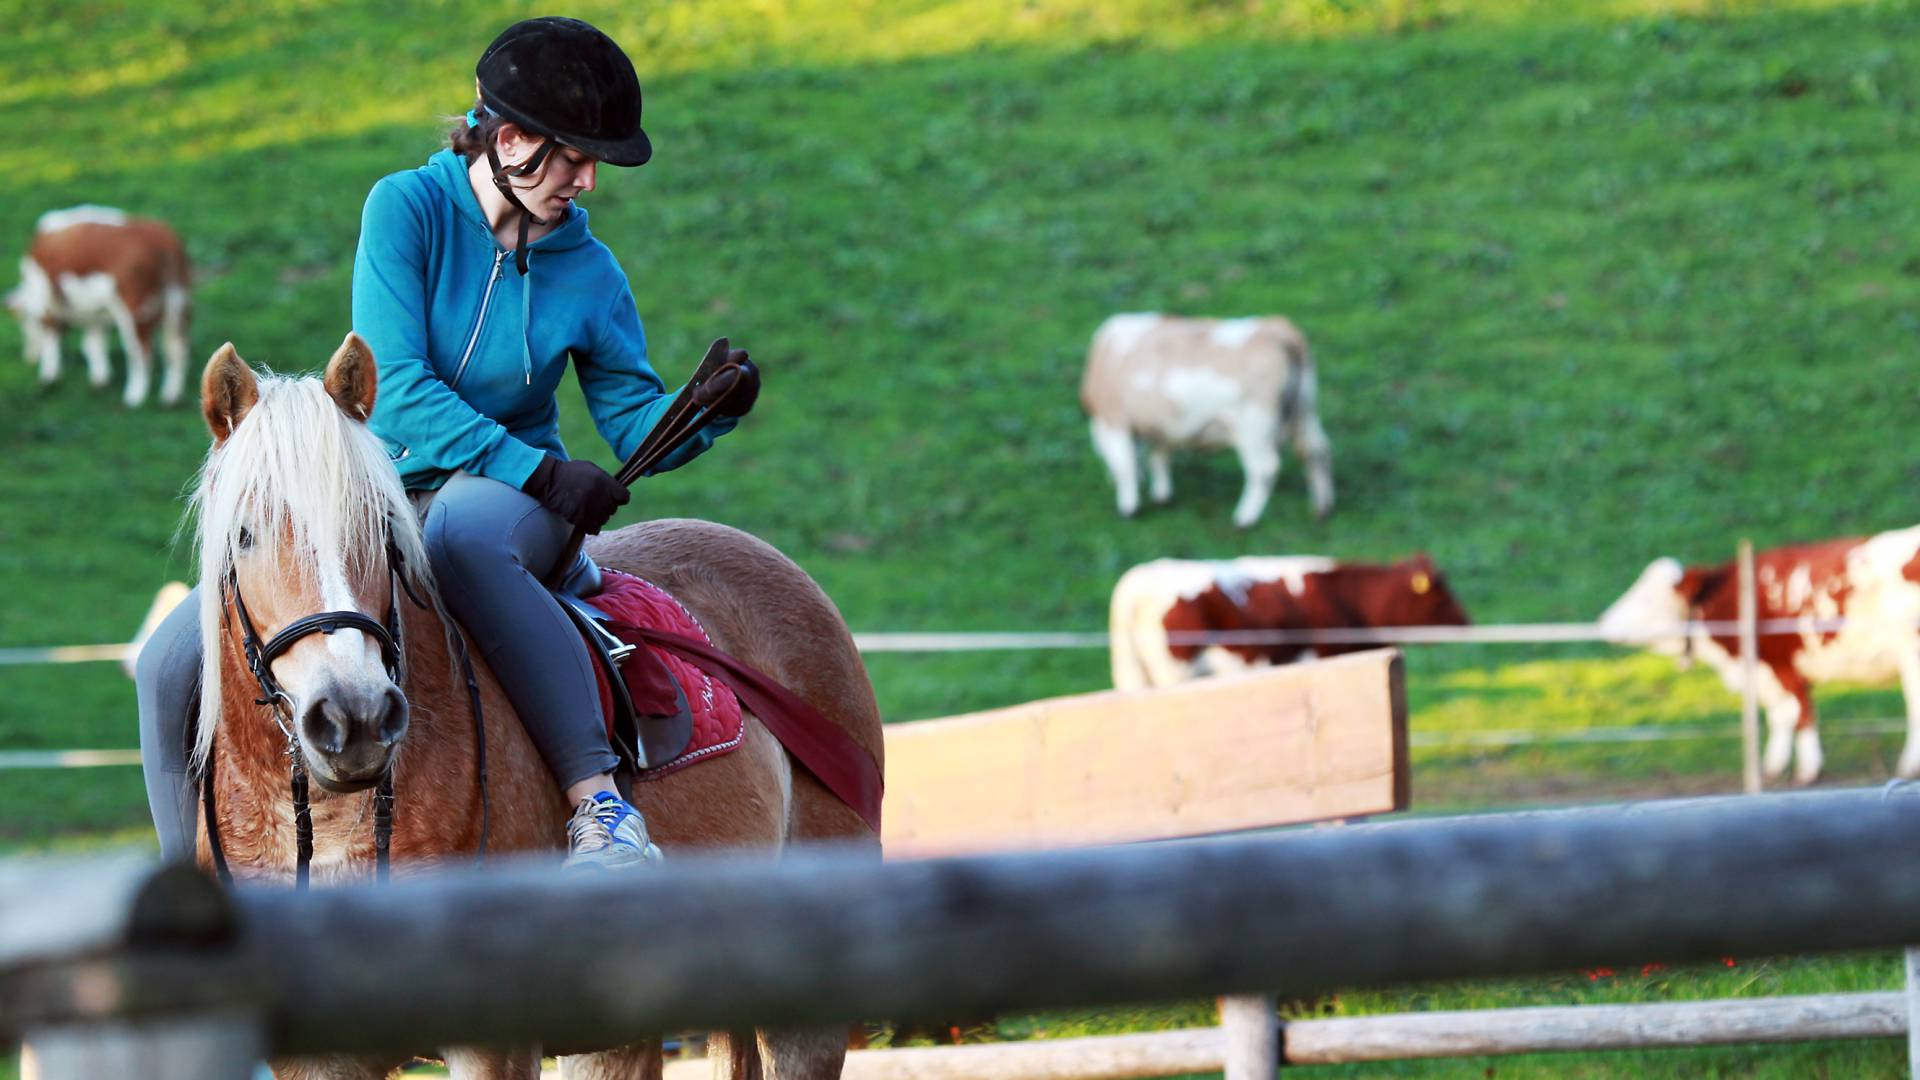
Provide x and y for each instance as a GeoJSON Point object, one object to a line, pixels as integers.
{"type": "Point", "coordinates": [260, 658]}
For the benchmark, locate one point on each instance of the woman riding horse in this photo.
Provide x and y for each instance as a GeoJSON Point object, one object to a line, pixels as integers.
{"type": "Point", "coordinates": [469, 359]}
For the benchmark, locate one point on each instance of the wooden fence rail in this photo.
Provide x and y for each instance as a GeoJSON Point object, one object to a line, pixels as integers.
{"type": "Point", "coordinates": [700, 944]}
{"type": "Point", "coordinates": [1344, 1040]}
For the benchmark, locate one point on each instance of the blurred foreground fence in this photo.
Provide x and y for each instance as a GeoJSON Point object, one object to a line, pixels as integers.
{"type": "Point", "coordinates": [158, 965]}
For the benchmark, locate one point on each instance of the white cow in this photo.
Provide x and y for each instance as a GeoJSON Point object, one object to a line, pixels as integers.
{"type": "Point", "coordinates": [96, 269]}
{"type": "Point", "coordinates": [1245, 384]}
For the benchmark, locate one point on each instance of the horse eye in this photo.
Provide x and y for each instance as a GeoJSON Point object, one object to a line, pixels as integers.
{"type": "Point", "coordinates": [246, 539]}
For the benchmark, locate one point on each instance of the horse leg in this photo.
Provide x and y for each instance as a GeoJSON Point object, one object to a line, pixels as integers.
{"type": "Point", "coordinates": [735, 1056]}
{"type": "Point", "coordinates": [477, 1063]}
{"type": "Point", "coordinates": [638, 1061]}
{"type": "Point", "coordinates": [804, 1053]}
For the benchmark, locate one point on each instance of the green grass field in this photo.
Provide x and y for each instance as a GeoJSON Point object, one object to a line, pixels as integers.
{"type": "Point", "coordinates": [1588, 282]}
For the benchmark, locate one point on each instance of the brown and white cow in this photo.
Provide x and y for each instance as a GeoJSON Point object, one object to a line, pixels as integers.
{"type": "Point", "coordinates": [1289, 592]}
{"type": "Point", "coordinates": [1873, 583]}
{"type": "Point", "coordinates": [1245, 384]}
{"type": "Point", "coordinates": [93, 268]}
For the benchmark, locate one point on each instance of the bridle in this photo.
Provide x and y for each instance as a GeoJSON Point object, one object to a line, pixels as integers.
{"type": "Point", "coordinates": [260, 656]}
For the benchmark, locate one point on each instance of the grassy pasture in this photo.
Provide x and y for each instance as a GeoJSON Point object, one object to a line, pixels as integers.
{"type": "Point", "coordinates": [1588, 282]}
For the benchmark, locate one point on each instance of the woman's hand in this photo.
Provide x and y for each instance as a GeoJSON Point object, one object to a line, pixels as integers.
{"type": "Point", "coordinates": [579, 491]}
{"type": "Point", "coordinates": [731, 390]}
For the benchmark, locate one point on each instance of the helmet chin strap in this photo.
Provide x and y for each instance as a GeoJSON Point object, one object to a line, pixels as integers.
{"type": "Point", "coordinates": [501, 173]}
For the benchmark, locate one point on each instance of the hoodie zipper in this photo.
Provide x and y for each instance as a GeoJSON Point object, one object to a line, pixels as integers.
{"type": "Point", "coordinates": [479, 322]}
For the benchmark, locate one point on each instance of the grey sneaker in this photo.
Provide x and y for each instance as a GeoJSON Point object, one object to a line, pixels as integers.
{"type": "Point", "coordinates": [607, 832]}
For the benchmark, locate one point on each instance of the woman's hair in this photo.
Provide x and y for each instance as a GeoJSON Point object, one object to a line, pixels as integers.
{"type": "Point", "coordinates": [471, 141]}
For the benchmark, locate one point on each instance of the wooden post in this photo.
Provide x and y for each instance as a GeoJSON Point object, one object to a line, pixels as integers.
{"type": "Point", "coordinates": [219, 1047]}
{"type": "Point", "coordinates": [1252, 1026]}
{"type": "Point", "coordinates": [1749, 674]}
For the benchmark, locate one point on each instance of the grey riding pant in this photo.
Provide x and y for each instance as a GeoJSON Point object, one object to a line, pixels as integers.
{"type": "Point", "coordinates": [489, 544]}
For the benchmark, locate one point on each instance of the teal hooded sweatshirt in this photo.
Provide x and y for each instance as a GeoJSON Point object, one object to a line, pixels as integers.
{"type": "Point", "coordinates": [470, 353]}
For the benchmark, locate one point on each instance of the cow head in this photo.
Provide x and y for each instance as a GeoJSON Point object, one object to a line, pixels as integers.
{"type": "Point", "coordinates": [1429, 602]}
{"type": "Point", "coordinates": [1657, 601]}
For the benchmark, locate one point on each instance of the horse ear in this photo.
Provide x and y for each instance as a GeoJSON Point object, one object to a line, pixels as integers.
{"type": "Point", "coordinates": [351, 378]}
{"type": "Point", "coordinates": [228, 389]}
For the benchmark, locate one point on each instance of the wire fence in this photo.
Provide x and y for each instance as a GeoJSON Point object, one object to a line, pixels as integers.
{"type": "Point", "coordinates": [1034, 640]}
{"type": "Point", "coordinates": [925, 642]}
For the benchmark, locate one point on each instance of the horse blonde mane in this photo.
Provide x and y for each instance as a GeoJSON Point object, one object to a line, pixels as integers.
{"type": "Point", "coordinates": [315, 488]}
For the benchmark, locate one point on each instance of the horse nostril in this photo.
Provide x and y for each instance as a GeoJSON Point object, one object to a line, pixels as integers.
{"type": "Point", "coordinates": [393, 719]}
{"type": "Point", "coordinates": [324, 726]}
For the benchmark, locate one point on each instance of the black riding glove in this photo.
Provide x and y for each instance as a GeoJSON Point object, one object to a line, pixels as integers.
{"type": "Point", "coordinates": [579, 491]}
{"type": "Point", "coordinates": [730, 391]}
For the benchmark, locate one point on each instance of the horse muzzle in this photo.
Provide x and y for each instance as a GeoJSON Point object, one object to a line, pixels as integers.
{"type": "Point", "coordinates": [350, 736]}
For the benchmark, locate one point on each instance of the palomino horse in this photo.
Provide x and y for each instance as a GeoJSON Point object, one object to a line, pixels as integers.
{"type": "Point", "coordinates": [299, 508]}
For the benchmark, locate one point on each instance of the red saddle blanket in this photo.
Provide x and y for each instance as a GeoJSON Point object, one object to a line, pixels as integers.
{"type": "Point", "coordinates": [634, 604]}
{"type": "Point", "coordinates": [716, 684]}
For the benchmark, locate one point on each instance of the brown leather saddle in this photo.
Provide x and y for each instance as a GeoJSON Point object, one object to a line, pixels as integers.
{"type": "Point", "coordinates": [651, 721]}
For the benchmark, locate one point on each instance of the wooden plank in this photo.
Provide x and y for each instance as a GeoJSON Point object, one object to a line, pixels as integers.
{"type": "Point", "coordinates": [1393, 1037]}
{"type": "Point", "coordinates": [1474, 1032]}
{"type": "Point", "coordinates": [1099, 1057]}
{"type": "Point", "coordinates": [1278, 746]}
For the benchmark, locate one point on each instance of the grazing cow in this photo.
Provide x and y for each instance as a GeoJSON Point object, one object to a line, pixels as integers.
{"type": "Point", "coordinates": [1247, 384]}
{"type": "Point", "coordinates": [93, 268]}
{"type": "Point", "coordinates": [1290, 592]}
{"type": "Point", "coordinates": [1871, 582]}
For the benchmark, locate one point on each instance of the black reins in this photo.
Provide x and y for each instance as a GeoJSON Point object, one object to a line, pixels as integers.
{"type": "Point", "coordinates": [391, 637]}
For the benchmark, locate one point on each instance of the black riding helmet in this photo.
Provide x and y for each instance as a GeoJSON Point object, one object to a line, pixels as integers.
{"type": "Point", "coordinates": [567, 82]}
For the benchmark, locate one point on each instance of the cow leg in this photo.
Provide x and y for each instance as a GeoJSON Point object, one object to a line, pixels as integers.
{"type": "Point", "coordinates": [49, 355]}
{"type": "Point", "coordinates": [1783, 710]}
{"type": "Point", "coordinates": [1159, 474]}
{"type": "Point", "coordinates": [1910, 684]}
{"type": "Point", "coordinates": [174, 342]}
{"type": "Point", "coordinates": [93, 346]}
{"type": "Point", "coordinates": [1115, 446]}
{"type": "Point", "coordinates": [1316, 453]}
{"type": "Point", "coordinates": [1260, 457]}
{"type": "Point", "coordinates": [1790, 726]}
{"type": "Point", "coordinates": [133, 338]}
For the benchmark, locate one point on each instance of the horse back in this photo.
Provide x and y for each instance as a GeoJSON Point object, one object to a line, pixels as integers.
{"type": "Point", "coordinates": [761, 607]}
